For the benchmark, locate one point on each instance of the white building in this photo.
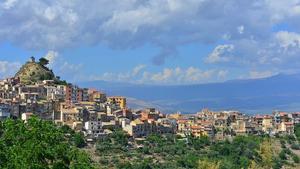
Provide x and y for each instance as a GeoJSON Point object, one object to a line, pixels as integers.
{"type": "Point", "coordinates": [55, 92]}
{"type": "Point", "coordinates": [93, 127]}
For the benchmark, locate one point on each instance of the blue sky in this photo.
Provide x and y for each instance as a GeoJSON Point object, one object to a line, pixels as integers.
{"type": "Point", "coordinates": [152, 41]}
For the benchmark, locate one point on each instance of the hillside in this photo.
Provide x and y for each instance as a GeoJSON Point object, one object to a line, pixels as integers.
{"type": "Point", "coordinates": [251, 96]}
{"type": "Point", "coordinates": [34, 71]}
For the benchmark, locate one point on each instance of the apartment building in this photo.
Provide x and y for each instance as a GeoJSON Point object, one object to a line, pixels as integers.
{"type": "Point", "coordinates": [119, 100]}
{"type": "Point", "coordinates": [96, 96]}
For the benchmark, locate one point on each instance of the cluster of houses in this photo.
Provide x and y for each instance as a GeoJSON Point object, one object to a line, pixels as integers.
{"type": "Point", "coordinates": [224, 124]}
{"type": "Point", "coordinates": [96, 115]}
{"type": "Point", "coordinates": [82, 109]}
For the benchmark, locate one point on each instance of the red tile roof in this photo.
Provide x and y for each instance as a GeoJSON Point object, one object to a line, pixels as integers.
{"type": "Point", "coordinates": [196, 127]}
{"type": "Point", "coordinates": [259, 116]}
{"type": "Point", "coordinates": [289, 123]}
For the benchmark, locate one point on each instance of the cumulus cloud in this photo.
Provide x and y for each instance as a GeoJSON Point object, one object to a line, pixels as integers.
{"type": "Point", "coordinates": [167, 24]}
{"type": "Point", "coordinates": [222, 53]}
{"type": "Point", "coordinates": [260, 74]}
{"type": "Point", "coordinates": [8, 69]}
{"type": "Point", "coordinates": [178, 75]}
{"type": "Point", "coordinates": [138, 69]}
{"type": "Point", "coordinates": [8, 4]}
{"type": "Point", "coordinates": [64, 68]}
{"type": "Point", "coordinates": [222, 74]}
{"type": "Point", "coordinates": [51, 56]}
{"type": "Point", "coordinates": [279, 51]}
{"type": "Point", "coordinates": [249, 40]}
{"type": "Point", "coordinates": [288, 39]}
{"type": "Point", "coordinates": [130, 76]}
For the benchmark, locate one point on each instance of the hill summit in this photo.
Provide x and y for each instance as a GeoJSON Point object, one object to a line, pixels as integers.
{"type": "Point", "coordinates": [34, 71]}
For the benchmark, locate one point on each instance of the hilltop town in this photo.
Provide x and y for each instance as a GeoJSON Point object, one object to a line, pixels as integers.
{"type": "Point", "coordinates": [96, 114]}
{"type": "Point", "coordinates": [110, 129]}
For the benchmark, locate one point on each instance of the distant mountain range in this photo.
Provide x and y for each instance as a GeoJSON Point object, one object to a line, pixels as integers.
{"type": "Point", "coordinates": [280, 92]}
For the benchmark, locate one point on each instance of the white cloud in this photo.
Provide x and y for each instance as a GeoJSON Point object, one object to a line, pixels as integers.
{"type": "Point", "coordinates": [138, 69]}
{"type": "Point", "coordinates": [176, 75]}
{"type": "Point", "coordinates": [179, 75]}
{"type": "Point", "coordinates": [163, 76]}
{"type": "Point", "coordinates": [280, 10]}
{"type": "Point", "coordinates": [8, 4]}
{"type": "Point", "coordinates": [123, 76]}
{"type": "Point", "coordinates": [222, 74]}
{"type": "Point", "coordinates": [288, 39]}
{"type": "Point", "coordinates": [280, 51]}
{"type": "Point", "coordinates": [260, 74]}
{"type": "Point", "coordinates": [8, 69]}
{"type": "Point", "coordinates": [63, 68]}
{"type": "Point", "coordinates": [56, 24]}
{"type": "Point", "coordinates": [249, 38]}
{"type": "Point", "coordinates": [51, 56]}
{"type": "Point", "coordinates": [222, 53]}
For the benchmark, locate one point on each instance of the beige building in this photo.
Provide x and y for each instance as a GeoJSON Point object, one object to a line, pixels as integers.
{"type": "Point", "coordinates": [286, 128]}
{"type": "Point", "coordinates": [184, 125]}
{"type": "Point", "coordinates": [121, 101]}
{"type": "Point", "coordinates": [138, 128]}
{"type": "Point", "coordinates": [96, 96]}
{"type": "Point", "coordinates": [71, 116]}
{"type": "Point", "coordinates": [267, 124]}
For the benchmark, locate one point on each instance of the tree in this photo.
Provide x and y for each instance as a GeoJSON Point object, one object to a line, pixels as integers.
{"type": "Point", "coordinates": [120, 137]}
{"type": "Point", "coordinates": [79, 140]}
{"type": "Point", "coordinates": [206, 164]}
{"type": "Point", "coordinates": [266, 152]}
{"type": "Point", "coordinates": [38, 144]}
{"type": "Point", "coordinates": [282, 155]}
{"type": "Point", "coordinates": [297, 131]}
{"type": "Point", "coordinates": [295, 158]}
{"type": "Point", "coordinates": [43, 61]}
{"type": "Point", "coordinates": [254, 165]}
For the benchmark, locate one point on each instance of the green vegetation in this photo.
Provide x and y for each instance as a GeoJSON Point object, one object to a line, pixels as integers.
{"type": "Point", "coordinates": [289, 147]}
{"type": "Point", "coordinates": [170, 151]}
{"type": "Point", "coordinates": [40, 144]}
{"type": "Point", "coordinates": [297, 131]}
{"type": "Point", "coordinates": [295, 146]}
{"type": "Point", "coordinates": [43, 61]}
{"type": "Point", "coordinates": [32, 72]}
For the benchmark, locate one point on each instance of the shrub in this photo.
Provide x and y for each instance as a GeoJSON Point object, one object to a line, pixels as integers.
{"type": "Point", "coordinates": [287, 151]}
{"type": "Point", "coordinates": [78, 140]}
{"type": "Point", "coordinates": [295, 158]}
{"type": "Point", "coordinates": [277, 165]}
{"type": "Point", "coordinates": [295, 146]}
{"type": "Point", "coordinates": [282, 155]}
{"type": "Point", "coordinates": [291, 138]}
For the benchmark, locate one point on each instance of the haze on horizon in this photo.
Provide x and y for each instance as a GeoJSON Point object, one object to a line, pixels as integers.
{"type": "Point", "coordinates": [152, 41]}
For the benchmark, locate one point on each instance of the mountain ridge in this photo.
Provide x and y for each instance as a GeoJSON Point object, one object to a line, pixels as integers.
{"type": "Point", "coordinates": [280, 91]}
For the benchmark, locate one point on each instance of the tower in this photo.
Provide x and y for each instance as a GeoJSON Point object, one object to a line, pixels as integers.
{"type": "Point", "coordinates": [32, 59]}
